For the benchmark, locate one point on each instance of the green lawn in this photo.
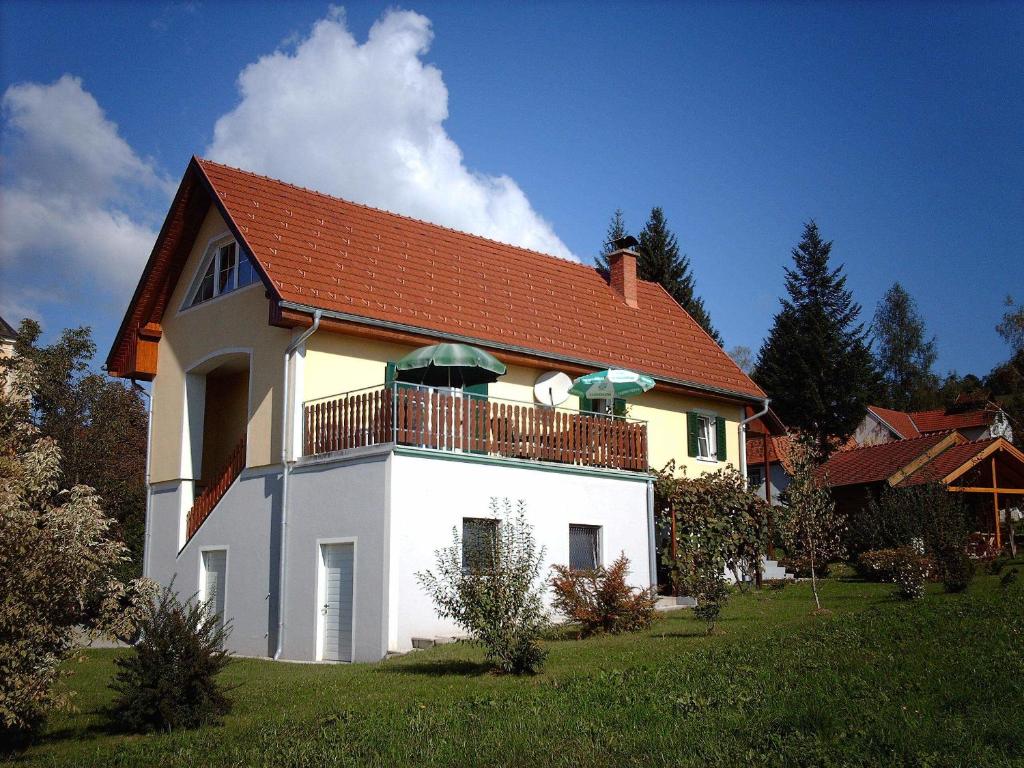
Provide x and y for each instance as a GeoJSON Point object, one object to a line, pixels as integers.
{"type": "Point", "coordinates": [876, 682]}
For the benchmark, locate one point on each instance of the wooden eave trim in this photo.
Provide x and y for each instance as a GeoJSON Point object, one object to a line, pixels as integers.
{"type": "Point", "coordinates": [953, 438]}
{"type": "Point", "coordinates": [291, 318]}
{"type": "Point", "coordinates": [999, 444]}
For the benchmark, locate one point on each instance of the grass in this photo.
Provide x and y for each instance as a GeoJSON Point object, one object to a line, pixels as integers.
{"type": "Point", "coordinates": [875, 682]}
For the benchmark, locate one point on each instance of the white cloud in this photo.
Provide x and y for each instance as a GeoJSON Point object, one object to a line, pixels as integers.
{"type": "Point", "coordinates": [365, 122]}
{"type": "Point", "coordinates": [73, 197]}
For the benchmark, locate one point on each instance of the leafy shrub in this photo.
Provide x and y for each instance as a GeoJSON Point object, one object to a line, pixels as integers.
{"type": "Point", "coordinates": [59, 557]}
{"type": "Point", "coordinates": [912, 570]}
{"type": "Point", "coordinates": [776, 585]}
{"type": "Point", "coordinates": [886, 565]}
{"type": "Point", "coordinates": [716, 522]}
{"type": "Point", "coordinates": [995, 567]}
{"type": "Point", "coordinates": [900, 515]}
{"type": "Point", "coordinates": [498, 598]}
{"type": "Point", "coordinates": [600, 600]}
{"type": "Point", "coordinates": [800, 566]}
{"type": "Point", "coordinates": [170, 680]}
{"type": "Point", "coordinates": [1009, 577]}
{"type": "Point", "coordinates": [711, 595]}
{"type": "Point", "coordinates": [955, 569]}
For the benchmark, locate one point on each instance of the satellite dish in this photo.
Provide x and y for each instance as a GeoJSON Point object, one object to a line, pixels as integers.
{"type": "Point", "coordinates": [552, 388]}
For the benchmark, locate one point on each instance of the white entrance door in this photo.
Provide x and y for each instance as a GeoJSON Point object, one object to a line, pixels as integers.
{"type": "Point", "coordinates": [337, 561]}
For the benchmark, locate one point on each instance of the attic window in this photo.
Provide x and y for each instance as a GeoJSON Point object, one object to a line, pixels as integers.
{"type": "Point", "coordinates": [227, 269]}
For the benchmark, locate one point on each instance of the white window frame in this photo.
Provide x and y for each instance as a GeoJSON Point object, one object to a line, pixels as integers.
{"type": "Point", "coordinates": [202, 576]}
{"type": "Point", "coordinates": [212, 255]}
{"type": "Point", "coordinates": [710, 422]}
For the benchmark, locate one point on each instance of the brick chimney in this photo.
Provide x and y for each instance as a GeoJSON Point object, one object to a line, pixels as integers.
{"type": "Point", "coordinates": [622, 277]}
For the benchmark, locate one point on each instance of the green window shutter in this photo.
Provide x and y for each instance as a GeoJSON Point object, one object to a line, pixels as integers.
{"type": "Point", "coordinates": [585, 404]}
{"type": "Point", "coordinates": [720, 429]}
{"type": "Point", "coordinates": [691, 434]}
{"type": "Point", "coordinates": [389, 373]}
{"type": "Point", "coordinates": [619, 407]}
{"type": "Point", "coordinates": [476, 389]}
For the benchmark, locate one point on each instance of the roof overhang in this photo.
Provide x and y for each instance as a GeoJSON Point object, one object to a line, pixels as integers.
{"type": "Point", "coordinates": [291, 314]}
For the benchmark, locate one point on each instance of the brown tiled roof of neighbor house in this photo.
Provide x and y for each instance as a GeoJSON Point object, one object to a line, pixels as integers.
{"type": "Point", "coordinates": [941, 420]}
{"type": "Point", "coordinates": [953, 457]}
{"type": "Point", "coordinates": [6, 332]}
{"type": "Point", "coordinates": [779, 449]}
{"type": "Point", "coordinates": [875, 463]}
{"type": "Point", "coordinates": [897, 420]}
{"type": "Point", "coordinates": [325, 253]}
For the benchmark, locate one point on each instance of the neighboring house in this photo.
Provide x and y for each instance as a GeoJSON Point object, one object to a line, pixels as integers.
{"type": "Point", "coordinates": [975, 419]}
{"type": "Point", "coordinates": [990, 472]}
{"type": "Point", "coordinates": [296, 486]}
{"type": "Point", "coordinates": [7, 338]}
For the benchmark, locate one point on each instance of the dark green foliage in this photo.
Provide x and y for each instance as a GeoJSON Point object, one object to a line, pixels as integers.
{"type": "Point", "coordinates": [904, 354]}
{"type": "Point", "coordinates": [996, 566]}
{"type": "Point", "coordinates": [661, 262]}
{"type": "Point", "coordinates": [898, 516]}
{"type": "Point", "coordinates": [98, 423]}
{"type": "Point", "coordinates": [711, 595]}
{"type": "Point", "coordinates": [170, 680]}
{"type": "Point", "coordinates": [601, 600]}
{"type": "Point", "coordinates": [885, 565]}
{"type": "Point", "coordinates": [816, 363]}
{"type": "Point", "coordinates": [1009, 577]}
{"type": "Point", "coordinates": [496, 596]}
{"type": "Point", "coordinates": [616, 230]}
{"type": "Point", "coordinates": [956, 569]}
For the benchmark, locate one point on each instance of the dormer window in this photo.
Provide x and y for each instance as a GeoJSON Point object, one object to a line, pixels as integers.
{"type": "Point", "coordinates": [228, 268]}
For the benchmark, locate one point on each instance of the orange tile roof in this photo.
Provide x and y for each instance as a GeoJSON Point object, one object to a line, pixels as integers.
{"type": "Point", "coordinates": [897, 420]}
{"type": "Point", "coordinates": [779, 449]}
{"type": "Point", "coordinates": [326, 253]}
{"type": "Point", "coordinates": [874, 463]}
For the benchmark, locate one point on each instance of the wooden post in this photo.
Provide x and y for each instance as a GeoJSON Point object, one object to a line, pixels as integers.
{"type": "Point", "coordinates": [995, 506]}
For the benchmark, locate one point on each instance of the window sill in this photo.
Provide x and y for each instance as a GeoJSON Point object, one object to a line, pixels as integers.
{"type": "Point", "coordinates": [707, 460]}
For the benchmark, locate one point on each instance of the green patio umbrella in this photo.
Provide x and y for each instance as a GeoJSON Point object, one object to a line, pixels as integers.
{"type": "Point", "coordinates": [615, 382]}
{"type": "Point", "coordinates": [449, 365]}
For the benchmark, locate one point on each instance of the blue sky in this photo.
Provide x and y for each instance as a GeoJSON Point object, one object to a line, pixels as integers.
{"type": "Point", "coordinates": [898, 128]}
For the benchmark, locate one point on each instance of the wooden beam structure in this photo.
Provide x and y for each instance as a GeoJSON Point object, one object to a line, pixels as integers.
{"type": "Point", "coordinates": [995, 505]}
{"type": "Point", "coordinates": [963, 489]}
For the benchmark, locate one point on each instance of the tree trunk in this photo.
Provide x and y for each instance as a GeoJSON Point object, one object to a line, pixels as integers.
{"type": "Point", "coordinates": [814, 582]}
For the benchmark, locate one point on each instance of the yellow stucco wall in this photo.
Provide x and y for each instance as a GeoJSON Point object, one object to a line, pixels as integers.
{"type": "Point", "coordinates": [236, 320]}
{"type": "Point", "coordinates": [335, 364]}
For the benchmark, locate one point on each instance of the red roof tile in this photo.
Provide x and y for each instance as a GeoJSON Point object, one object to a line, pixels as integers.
{"type": "Point", "coordinates": [779, 447]}
{"type": "Point", "coordinates": [329, 254]}
{"type": "Point", "coordinates": [897, 420]}
{"type": "Point", "coordinates": [874, 463]}
{"type": "Point", "coordinates": [953, 457]}
{"type": "Point", "coordinates": [941, 420]}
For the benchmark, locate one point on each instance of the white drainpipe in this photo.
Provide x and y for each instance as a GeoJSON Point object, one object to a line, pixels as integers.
{"type": "Point", "coordinates": [285, 466]}
{"type": "Point", "coordinates": [743, 438]}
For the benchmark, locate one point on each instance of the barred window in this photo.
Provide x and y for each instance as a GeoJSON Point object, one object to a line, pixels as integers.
{"type": "Point", "coordinates": [584, 547]}
{"type": "Point", "coordinates": [478, 540]}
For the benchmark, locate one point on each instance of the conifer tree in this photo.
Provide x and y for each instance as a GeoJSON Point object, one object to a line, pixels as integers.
{"type": "Point", "coordinates": [660, 262]}
{"type": "Point", "coordinates": [904, 355]}
{"type": "Point", "coordinates": [616, 229]}
{"type": "Point", "coordinates": [816, 363]}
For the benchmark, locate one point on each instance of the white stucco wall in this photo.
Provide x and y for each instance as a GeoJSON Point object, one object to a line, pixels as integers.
{"type": "Point", "coordinates": [431, 495]}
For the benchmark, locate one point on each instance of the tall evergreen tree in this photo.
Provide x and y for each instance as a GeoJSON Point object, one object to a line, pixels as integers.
{"type": "Point", "coordinates": [904, 354]}
{"type": "Point", "coordinates": [660, 262]}
{"type": "Point", "coordinates": [616, 229]}
{"type": "Point", "coordinates": [816, 363]}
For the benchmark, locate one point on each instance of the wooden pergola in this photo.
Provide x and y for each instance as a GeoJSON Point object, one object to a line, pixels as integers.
{"type": "Point", "coordinates": [996, 470]}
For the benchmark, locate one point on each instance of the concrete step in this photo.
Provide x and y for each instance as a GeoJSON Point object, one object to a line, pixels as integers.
{"type": "Point", "coordinates": [671, 603]}
{"type": "Point", "coordinates": [772, 571]}
{"type": "Point", "coordinates": [421, 643]}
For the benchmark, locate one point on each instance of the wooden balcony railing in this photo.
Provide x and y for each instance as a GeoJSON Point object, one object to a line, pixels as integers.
{"type": "Point", "coordinates": [214, 492]}
{"type": "Point", "coordinates": [447, 420]}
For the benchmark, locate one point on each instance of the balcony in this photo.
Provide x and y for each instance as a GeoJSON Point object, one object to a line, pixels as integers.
{"type": "Point", "coordinates": [449, 420]}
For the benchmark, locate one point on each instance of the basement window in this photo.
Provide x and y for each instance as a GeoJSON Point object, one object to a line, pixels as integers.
{"type": "Point", "coordinates": [227, 268]}
{"type": "Point", "coordinates": [479, 538]}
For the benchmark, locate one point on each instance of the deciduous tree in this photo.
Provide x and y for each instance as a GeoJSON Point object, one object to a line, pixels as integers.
{"type": "Point", "coordinates": [904, 353]}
